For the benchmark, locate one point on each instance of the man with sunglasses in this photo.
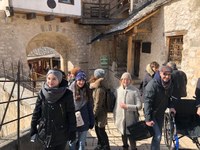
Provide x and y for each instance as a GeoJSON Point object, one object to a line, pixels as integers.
{"type": "Point", "coordinates": [156, 101]}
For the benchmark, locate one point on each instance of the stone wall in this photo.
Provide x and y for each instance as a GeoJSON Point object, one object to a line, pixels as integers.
{"type": "Point", "coordinates": [21, 36]}
{"type": "Point", "coordinates": [184, 15]}
{"type": "Point", "coordinates": [173, 18]}
{"type": "Point", "coordinates": [26, 108]}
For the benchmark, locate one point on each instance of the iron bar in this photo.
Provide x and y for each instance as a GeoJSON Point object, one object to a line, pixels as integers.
{"type": "Point", "coordinates": [6, 109]}
{"type": "Point", "coordinates": [15, 119]}
{"type": "Point", "coordinates": [17, 100]}
{"type": "Point", "coordinates": [4, 75]}
{"type": "Point", "coordinates": [18, 106]}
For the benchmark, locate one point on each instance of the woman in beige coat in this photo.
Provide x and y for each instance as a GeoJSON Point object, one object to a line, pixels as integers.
{"type": "Point", "coordinates": [100, 112]}
{"type": "Point", "coordinates": [128, 102]}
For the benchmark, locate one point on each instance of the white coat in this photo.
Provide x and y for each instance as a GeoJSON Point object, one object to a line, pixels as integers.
{"type": "Point", "coordinates": [125, 117]}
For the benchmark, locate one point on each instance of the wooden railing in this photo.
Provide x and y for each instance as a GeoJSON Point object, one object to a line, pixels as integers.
{"type": "Point", "coordinates": [95, 10]}
{"type": "Point", "coordinates": [103, 10]}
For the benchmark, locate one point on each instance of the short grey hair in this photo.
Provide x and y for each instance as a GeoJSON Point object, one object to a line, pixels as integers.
{"type": "Point", "coordinates": [172, 65]}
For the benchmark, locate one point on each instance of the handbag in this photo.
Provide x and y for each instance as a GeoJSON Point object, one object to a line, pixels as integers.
{"type": "Point", "coordinates": [79, 119]}
{"type": "Point", "coordinates": [140, 131]}
{"type": "Point", "coordinates": [41, 136]}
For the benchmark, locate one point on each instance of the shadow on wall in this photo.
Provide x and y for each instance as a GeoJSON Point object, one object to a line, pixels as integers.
{"type": "Point", "coordinates": [25, 144]}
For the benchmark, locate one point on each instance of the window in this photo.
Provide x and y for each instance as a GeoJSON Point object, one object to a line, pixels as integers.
{"type": "Point", "coordinates": [67, 1]}
{"type": "Point", "coordinates": [175, 49]}
{"type": "Point", "coordinates": [146, 47]}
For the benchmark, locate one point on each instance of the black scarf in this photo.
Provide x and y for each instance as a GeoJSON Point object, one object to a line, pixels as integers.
{"type": "Point", "coordinates": [52, 95]}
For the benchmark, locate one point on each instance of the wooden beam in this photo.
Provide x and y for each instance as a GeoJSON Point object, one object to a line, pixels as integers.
{"type": "Point", "coordinates": [140, 21]}
{"type": "Point", "coordinates": [135, 31]}
{"type": "Point", "coordinates": [30, 16]}
{"type": "Point", "coordinates": [176, 33]}
{"type": "Point", "coordinates": [130, 54]}
{"type": "Point", "coordinates": [131, 32]}
{"type": "Point", "coordinates": [49, 17]}
{"type": "Point", "coordinates": [64, 19]}
{"type": "Point", "coordinates": [143, 31]}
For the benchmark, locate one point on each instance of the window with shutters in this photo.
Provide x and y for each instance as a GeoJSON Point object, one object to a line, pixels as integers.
{"type": "Point", "coordinates": [175, 49]}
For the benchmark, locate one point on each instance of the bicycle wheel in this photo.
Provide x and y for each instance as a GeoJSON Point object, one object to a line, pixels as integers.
{"type": "Point", "coordinates": [168, 130]}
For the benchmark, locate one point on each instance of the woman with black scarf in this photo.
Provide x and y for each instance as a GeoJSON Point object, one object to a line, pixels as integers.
{"type": "Point", "coordinates": [53, 121]}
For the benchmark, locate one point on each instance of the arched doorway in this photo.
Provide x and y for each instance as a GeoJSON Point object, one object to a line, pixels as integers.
{"type": "Point", "coordinates": [52, 40]}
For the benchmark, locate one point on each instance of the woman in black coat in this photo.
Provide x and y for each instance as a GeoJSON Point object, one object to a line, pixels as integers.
{"type": "Point", "coordinates": [83, 102]}
{"type": "Point", "coordinates": [53, 119]}
{"type": "Point", "coordinates": [197, 94]}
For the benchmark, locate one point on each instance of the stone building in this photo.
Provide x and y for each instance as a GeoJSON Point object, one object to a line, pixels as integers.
{"type": "Point", "coordinates": [125, 38]}
{"type": "Point", "coordinates": [149, 30]}
{"type": "Point", "coordinates": [165, 30]}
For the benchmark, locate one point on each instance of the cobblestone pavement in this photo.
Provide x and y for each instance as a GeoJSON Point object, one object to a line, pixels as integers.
{"type": "Point", "coordinates": [115, 139]}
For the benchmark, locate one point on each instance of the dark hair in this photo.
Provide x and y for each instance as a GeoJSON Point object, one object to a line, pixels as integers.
{"type": "Point", "coordinates": [155, 64]}
{"type": "Point", "coordinates": [172, 65]}
{"type": "Point", "coordinates": [87, 94]}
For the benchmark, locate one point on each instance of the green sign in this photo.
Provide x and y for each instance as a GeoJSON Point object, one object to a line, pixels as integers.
{"type": "Point", "coordinates": [104, 61]}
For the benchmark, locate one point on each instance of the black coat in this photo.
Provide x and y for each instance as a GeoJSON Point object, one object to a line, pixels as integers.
{"type": "Point", "coordinates": [179, 80]}
{"type": "Point", "coordinates": [58, 117]}
{"type": "Point", "coordinates": [156, 100]}
{"type": "Point", "coordinates": [197, 93]}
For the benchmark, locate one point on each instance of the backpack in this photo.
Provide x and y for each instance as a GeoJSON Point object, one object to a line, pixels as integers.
{"type": "Point", "coordinates": [110, 100]}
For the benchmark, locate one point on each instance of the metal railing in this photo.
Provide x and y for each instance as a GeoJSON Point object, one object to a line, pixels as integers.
{"type": "Point", "coordinates": [17, 77]}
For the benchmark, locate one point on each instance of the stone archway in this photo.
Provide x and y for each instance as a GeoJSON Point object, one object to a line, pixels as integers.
{"type": "Point", "coordinates": [57, 41]}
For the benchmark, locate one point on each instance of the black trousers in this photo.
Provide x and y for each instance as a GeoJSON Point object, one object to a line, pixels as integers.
{"type": "Point", "coordinates": [125, 139]}
{"type": "Point", "coordinates": [102, 137]}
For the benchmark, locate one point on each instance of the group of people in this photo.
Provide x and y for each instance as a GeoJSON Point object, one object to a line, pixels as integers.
{"type": "Point", "coordinates": [165, 90]}
{"type": "Point", "coordinates": [65, 111]}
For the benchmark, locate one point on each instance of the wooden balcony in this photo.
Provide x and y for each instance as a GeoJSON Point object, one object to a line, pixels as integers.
{"type": "Point", "coordinates": [103, 13]}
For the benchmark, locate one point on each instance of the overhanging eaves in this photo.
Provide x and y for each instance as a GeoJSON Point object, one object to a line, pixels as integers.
{"type": "Point", "coordinates": [127, 29]}
{"type": "Point", "coordinates": [133, 20]}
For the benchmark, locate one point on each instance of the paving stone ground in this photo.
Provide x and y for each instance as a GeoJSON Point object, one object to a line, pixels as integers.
{"type": "Point", "coordinates": [116, 143]}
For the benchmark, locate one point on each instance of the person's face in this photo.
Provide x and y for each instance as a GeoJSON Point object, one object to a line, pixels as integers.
{"type": "Point", "coordinates": [125, 82]}
{"type": "Point", "coordinates": [52, 80]}
{"type": "Point", "coordinates": [154, 68]}
{"type": "Point", "coordinates": [165, 76]}
{"type": "Point", "coordinates": [80, 83]}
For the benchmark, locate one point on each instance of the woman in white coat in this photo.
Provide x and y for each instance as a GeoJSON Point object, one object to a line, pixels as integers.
{"type": "Point", "coordinates": [128, 102]}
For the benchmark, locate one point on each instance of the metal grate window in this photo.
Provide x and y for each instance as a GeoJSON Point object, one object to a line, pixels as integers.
{"type": "Point", "coordinates": [175, 49]}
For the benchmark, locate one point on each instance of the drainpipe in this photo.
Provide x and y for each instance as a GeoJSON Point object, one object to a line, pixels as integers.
{"type": "Point", "coordinates": [131, 6]}
{"type": "Point", "coordinates": [9, 8]}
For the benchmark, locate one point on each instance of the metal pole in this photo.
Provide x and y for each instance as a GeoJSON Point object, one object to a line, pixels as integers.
{"type": "Point", "coordinates": [6, 109]}
{"type": "Point", "coordinates": [18, 107]}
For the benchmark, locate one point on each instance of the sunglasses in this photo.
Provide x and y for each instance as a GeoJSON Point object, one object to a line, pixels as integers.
{"type": "Point", "coordinates": [167, 74]}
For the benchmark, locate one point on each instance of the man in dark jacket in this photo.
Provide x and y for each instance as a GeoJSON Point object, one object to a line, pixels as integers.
{"type": "Point", "coordinates": [156, 100]}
